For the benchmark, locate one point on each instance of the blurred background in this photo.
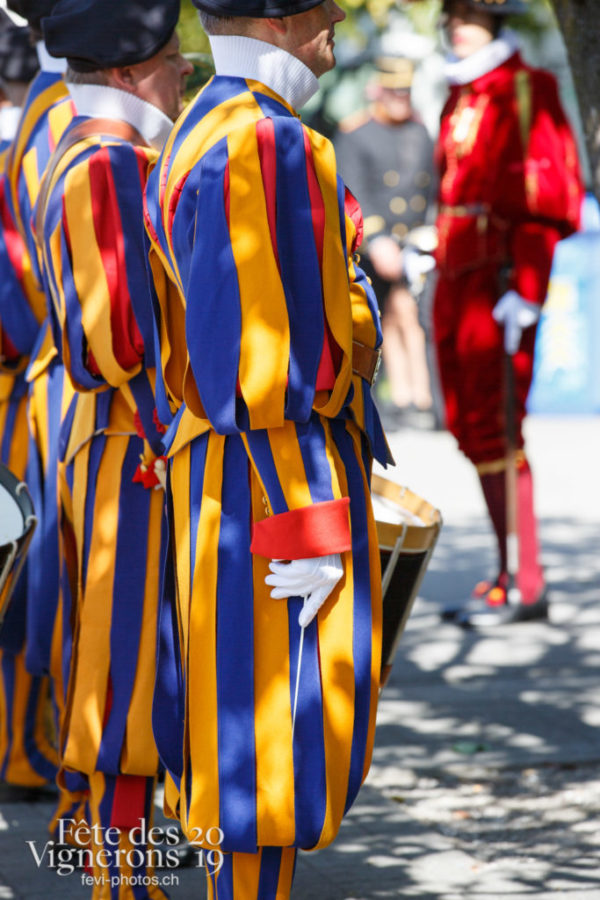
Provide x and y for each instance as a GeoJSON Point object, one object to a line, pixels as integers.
{"type": "Point", "coordinates": [567, 374]}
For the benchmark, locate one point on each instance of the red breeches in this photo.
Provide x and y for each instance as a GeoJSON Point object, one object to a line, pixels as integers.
{"type": "Point", "coordinates": [471, 356]}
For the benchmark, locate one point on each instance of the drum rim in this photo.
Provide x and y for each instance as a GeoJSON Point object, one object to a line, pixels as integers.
{"type": "Point", "coordinates": [20, 495]}
{"type": "Point", "coordinates": [415, 538]}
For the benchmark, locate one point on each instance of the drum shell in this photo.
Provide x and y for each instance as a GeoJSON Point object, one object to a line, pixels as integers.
{"type": "Point", "coordinates": [405, 550]}
{"type": "Point", "coordinates": [13, 553]}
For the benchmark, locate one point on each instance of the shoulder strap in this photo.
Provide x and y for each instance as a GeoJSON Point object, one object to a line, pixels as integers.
{"type": "Point", "coordinates": [524, 105]}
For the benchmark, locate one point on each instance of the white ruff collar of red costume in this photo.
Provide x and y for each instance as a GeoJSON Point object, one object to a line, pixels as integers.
{"type": "Point", "coordinates": [9, 120]}
{"type": "Point", "coordinates": [244, 57]}
{"type": "Point", "coordinates": [101, 102]}
{"type": "Point", "coordinates": [494, 54]}
{"type": "Point", "coordinates": [49, 63]}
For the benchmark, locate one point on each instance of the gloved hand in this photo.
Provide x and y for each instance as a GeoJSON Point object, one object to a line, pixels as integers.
{"type": "Point", "coordinates": [416, 266]}
{"type": "Point", "coordinates": [515, 314]}
{"type": "Point", "coordinates": [313, 578]}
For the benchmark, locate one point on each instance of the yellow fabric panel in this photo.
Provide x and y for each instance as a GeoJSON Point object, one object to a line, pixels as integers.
{"type": "Point", "coordinates": [84, 424]}
{"type": "Point", "coordinates": [201, 662]}
{"type": "Point", "coordinates": [30, 168]}
{"type": "Point", "coordinates": [139, 753]}
{"type": "Point", "coordinates": [19, 444]}
{"type": "Point", "coordinates": [19, 770]}
{"type": "Point", "coordinates": [89, 275]}
{"type": "Point", "coordinates": [335, 643]}
{"type": "Point", "coordinates": [246, 875]}
{"type": "Point", "coordinates": [265, 339]}
{"type": "Point", "coordinates": [7, 383]}
{"type": "Point", "coordinates": [286, 873]}
{"type": "Point", "coordinates": [46, 354]}
{"type": "Point", "coordinates": [273, 714]}
{"type": "Point", "coordinates": [58, 118]}
{"type": "Point", "coordinates": [91, 654]}
{"type": "Point", "coordinates": [290, 466]}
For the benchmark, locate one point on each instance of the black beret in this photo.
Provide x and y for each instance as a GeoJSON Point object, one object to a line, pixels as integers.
{"type": "Point", "coordinates": [18, 57]}
{"type": "Point", "coordinates": [496, 7]}
{"type": "Point", "coordinates": [256, 9]}
{"type": "Point", "coordinates": [99, 34]}
{"type": "Point", "coordinates": [32, 10]}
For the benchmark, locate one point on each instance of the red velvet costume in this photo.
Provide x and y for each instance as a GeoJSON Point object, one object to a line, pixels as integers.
{"type": "Point", "coordinates": [509, 190]}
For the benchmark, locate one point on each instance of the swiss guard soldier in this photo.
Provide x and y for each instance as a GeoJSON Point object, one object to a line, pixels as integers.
{"type": "Point", "coordinates": [268, 335]}
{"type": "Point", "coordinates": [385, 156]}
{"type": "Point", "coordinates": [47, 110]}
{"type": "Point", "coordinates": [509, 190]}
{"type": "Point", "coordinates": [126, 77]}
{"type": "Point", "coordinates": [26, 755]}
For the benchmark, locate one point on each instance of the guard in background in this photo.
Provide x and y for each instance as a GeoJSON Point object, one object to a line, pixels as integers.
{"type": "Point", "coordinates": [126, 77]}
{"type": "Point", "coordinates": [47, 110]}
{"type": "Point", "coordinates": [385, 156]}
{"type": "Point", "coordinates": [27, 757]}
{"type": "Point", "coordinates": [509, 190]}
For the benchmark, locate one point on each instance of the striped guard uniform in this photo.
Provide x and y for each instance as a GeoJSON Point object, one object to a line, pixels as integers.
{"type": "Point", "coordinates": [46, 113]}
{"type": "Point", "coordinates": [94, 262]}
{"type": "Point", "coordinates": [26, 754]}
{"type": "Point", "coordinates": [257, 314]}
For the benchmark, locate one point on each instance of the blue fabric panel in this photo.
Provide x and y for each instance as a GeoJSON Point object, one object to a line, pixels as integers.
{"type": "Point", "coordinates": [235, 658]}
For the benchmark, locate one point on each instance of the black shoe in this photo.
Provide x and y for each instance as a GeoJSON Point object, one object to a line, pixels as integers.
{"type": "Point", "coordinates": [477, 600]}
{"type": "Point", "coordinates": [488, 616]}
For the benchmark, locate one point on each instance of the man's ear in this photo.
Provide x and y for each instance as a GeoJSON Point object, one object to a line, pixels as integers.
{"type": "Point", "coordinates": [279, 25]}
{"type": "Point", "coordinates": [123, 77]}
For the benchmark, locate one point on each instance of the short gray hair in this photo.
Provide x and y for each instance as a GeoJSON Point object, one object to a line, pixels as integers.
{"type": "Point", "coordinates": [224, 24]}
{"type": "Point", "coordinates": [98, 76]}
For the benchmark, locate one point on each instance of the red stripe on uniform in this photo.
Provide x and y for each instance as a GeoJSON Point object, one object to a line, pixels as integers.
{"type": "Point", "coordinates": [127, 341]}
{"type": "Point", "coordinates": [331, 355]}
{"type": "Point", "coordinates": [265, 133]}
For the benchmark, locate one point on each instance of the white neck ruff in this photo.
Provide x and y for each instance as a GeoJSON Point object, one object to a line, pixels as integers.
{"type": "Point", "coordinates": [102, 102]}
{"type": "Point", "coordinates": [494, 54]}
{"type": "Point", "coordinates": [49, 63]}
{"type": "Point", "coordinates": [9, 120]}
{"type": "Point", "coordinates": [244, 57]}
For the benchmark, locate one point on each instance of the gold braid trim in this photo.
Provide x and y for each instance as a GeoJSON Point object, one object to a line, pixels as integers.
{"type": "Point", "coordinates": [499, 465]}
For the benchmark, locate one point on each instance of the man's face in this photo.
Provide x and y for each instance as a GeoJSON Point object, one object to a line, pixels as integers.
{"type": "Point", "coordinates": [311, 36]}
{"type": "Point", "coordinates": [161, 79]}
{"type": "Point", "coordinates": [396, 102]}
{"type": "Point", "coordinates": [468, 29]}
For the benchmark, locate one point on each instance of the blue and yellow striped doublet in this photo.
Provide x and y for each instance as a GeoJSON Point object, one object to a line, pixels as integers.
{"type": "Point", "coordinates": [259, 306]}
{"type": "Point", "coordinates": [94, 267]}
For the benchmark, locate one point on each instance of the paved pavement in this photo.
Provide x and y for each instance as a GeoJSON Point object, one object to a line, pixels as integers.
{"type": "Point", "coordinates": [485, 781]}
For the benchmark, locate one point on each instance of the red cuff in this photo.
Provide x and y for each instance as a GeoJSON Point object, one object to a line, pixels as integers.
{"type": "Point", "coordinates": [315, 530]}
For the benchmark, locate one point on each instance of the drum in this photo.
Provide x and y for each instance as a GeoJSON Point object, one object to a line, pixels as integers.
{"type": "Point", "coordinates": [17, 524]}
{"type": "Point", "coordinates": [407, 531]}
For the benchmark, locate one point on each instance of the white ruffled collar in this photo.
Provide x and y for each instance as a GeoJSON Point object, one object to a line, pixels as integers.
{"type": "Point", "coordinates": [102, 102]}
{"type": "Point", "coordinates": [49, 63]}
{"type": "Point", "coordinates": [494, 54]}
{"type": "Point", "coordinates": [243, 57]}
{"type": "Point", "coordinates": [9, 121]}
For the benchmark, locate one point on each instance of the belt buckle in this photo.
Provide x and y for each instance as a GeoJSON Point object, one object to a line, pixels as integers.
{"type": "Point", "coordinates": [377, 366]}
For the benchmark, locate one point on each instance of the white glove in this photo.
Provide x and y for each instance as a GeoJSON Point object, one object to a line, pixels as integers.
{"type": "Point", "coordinates": [415, 266]}
{"type": "Point", "coordinates": [515, 314]}
{"type": "Point", "coordinates": [313, 578]}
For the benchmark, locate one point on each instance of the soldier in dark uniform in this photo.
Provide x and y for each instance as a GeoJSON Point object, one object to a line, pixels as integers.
{"type": "Point", "coordinates": [385, 156]}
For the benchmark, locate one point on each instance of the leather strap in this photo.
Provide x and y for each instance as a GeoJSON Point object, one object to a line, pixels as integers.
{"type": "Point", "coordinates": [365, 361]}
